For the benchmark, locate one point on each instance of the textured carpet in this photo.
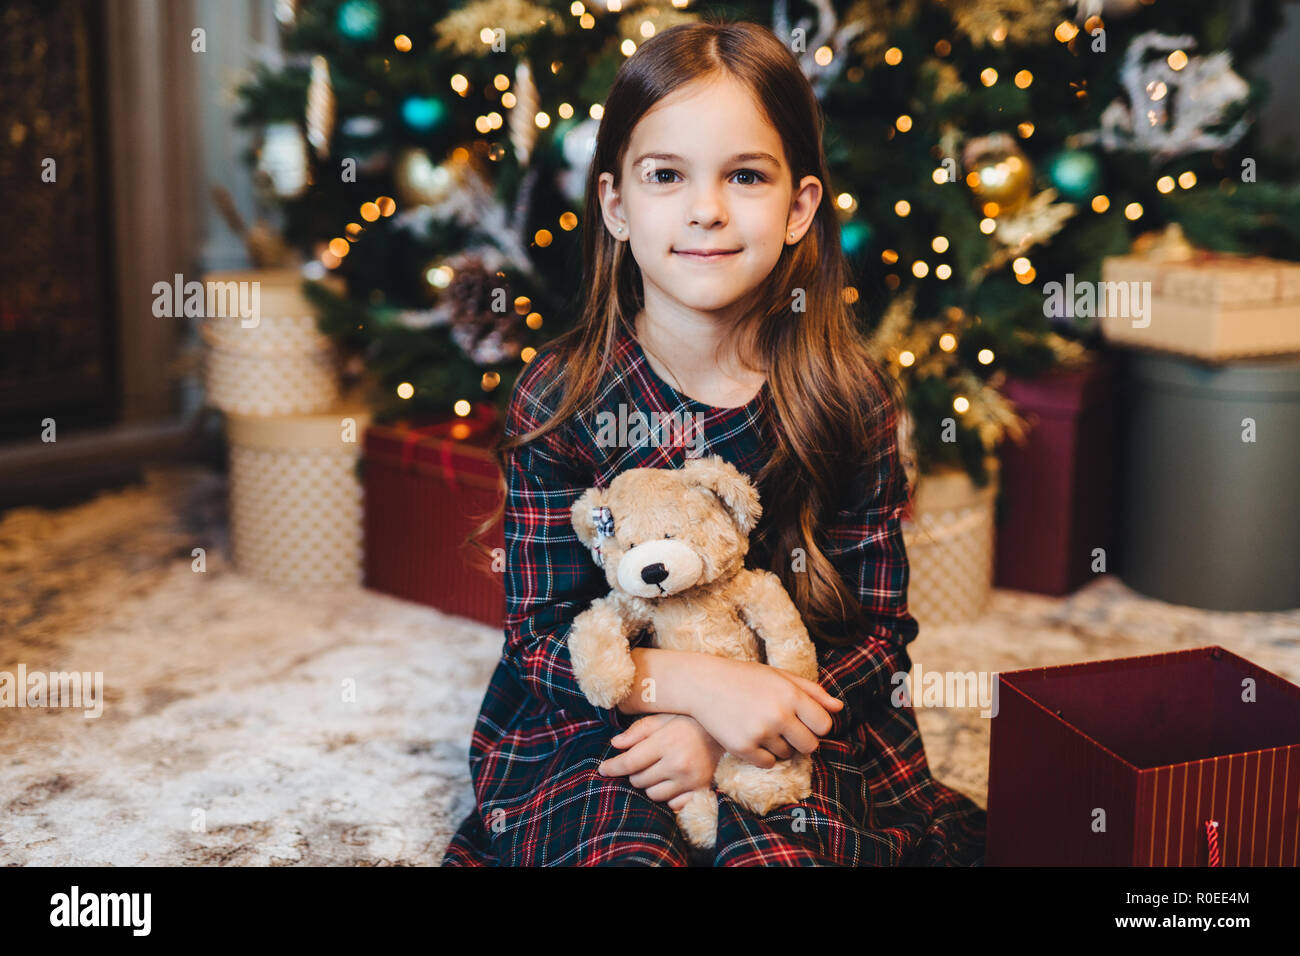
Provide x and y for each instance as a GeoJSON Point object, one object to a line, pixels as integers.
{"type": "Point", "coordinates": [228, 733]}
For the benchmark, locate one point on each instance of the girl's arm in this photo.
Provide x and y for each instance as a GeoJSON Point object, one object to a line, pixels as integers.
{"type": "Point", "coordinates": [865, 542]}
{"type": "Point", "coordinates": [666, 682]}
{"type": "Point", "coordinates": [550, 577]}
{"type": "Point", "coordinates": [757, 712]}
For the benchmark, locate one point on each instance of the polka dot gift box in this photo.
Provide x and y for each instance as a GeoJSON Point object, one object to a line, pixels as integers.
{"type": "Point", "coordinates": [949, 539]}
{"type": "Point", "coordinates": [273, 363]}
{"type": "Point", "coordinates": [296, 502]}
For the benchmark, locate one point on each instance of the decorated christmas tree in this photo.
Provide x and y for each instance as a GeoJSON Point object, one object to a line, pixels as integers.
{"type": "Point", "coordinates": [434, 156]}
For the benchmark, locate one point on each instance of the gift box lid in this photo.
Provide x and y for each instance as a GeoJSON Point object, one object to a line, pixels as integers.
{"type": "Point", "coordinates": [1276, 376]}
{"type": "Point", "coordinates": [290, 278]}
{"type": "Point", "coordinates": [324, 431]}
{"type": "Point", "coordinates": [286, 318]}
{"type": "Point", "coordinates": [1226, 280]}
{"type": "Point", "coordinates": [455, 448]}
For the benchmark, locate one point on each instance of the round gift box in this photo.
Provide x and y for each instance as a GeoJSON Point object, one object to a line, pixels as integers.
{"type": "Point", "coordinates": [949, 541]}
{"type": "Point", "coordinates": [296, 504]}
{"type": "Point", "coordinates": [281, 363]}
{"type": "Point", "coordinates": [280, 383]}
{"type": "Point", "coordinates": [1210, 518]}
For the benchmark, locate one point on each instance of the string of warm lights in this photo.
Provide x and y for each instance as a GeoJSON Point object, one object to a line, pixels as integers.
{"type": "Point", "coordinates": [440, 276]}
{"type": "Point", "coordinates": [1022, 268]}
{"type": "Point", "coordinates": [1066, 32]}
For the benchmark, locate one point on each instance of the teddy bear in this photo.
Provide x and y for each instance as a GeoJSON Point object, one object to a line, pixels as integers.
{"type": "Point", "coordinates": [672, 543]}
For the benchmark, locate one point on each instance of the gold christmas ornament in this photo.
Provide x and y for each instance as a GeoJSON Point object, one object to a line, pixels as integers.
{"type": "Point", "coordinates": [1031, 223]}
{"type": "Point", "coordinates": [998, 171]}
{"type": "Point", "coordinates": [320, 107]}
{"type": "Point", "coordinates": [1035, 221]}
{"type": "Point", "coordinates": [523, 117]}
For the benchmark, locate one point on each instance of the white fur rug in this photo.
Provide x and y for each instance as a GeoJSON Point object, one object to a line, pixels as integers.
{"type": "Point", "coordinates": [225, 737]}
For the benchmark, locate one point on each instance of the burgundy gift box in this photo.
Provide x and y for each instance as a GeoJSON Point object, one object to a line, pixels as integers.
{"type": "Point", "coordinates": [1162, 749]}
{"type": "Point", "coordinates": [1057, 495]}
{"type": "Point", "coordinates": [425, 489]}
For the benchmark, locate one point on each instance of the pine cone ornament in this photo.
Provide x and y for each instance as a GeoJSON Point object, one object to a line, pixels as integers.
{"type": "Point", "coordinates": [487, 337]}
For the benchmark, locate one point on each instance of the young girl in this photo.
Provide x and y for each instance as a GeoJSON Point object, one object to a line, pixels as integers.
{"type": "Point", "coordinates": [715, 291]}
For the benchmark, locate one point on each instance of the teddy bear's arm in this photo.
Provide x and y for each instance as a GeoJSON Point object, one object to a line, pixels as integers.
{"type": "Point", "coordinates": [600, 648]}
{"type": "Point", "coordinates": [765, 606]}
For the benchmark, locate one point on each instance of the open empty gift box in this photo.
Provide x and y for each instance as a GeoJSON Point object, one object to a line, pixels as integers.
{"type": "Point", "coordinates": [1184, 759]}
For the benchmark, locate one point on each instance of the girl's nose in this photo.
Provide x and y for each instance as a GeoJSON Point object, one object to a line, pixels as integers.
{"type": "Point", "coordinates": [708, 220]}
{"type": "Point", "coordinates": [707, 210]}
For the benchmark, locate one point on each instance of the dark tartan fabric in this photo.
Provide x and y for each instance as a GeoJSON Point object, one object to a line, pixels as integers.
{"type": "Point", "coordinates": [537, 741]}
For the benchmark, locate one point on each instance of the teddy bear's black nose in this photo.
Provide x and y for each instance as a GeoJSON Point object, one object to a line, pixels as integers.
{"type": "Point", "coordinates": [653, 573]}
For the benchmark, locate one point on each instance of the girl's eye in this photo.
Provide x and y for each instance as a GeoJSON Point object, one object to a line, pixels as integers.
{"type": "Point", "coordinates": [758, 177]}
{"type": "Point", "coordinates": [667, 536]}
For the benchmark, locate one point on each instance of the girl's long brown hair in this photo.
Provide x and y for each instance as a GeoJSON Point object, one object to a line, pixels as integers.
{"type": "Point", "coordinates": [835, 408]}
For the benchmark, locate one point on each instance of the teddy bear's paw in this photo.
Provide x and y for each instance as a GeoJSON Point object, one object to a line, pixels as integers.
{"type": "Point", "coordinates": [799, 657]}
{"type": "Point", "coordinates": [602, 660]}
{"type": "Point", "coordinates": [763, 789]}
{"type": "Point", "coordinates": [791, 650]}
{"type": "Point", "coordinates": [698, 819]}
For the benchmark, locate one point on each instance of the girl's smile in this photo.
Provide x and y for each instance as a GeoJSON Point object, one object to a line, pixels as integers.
{"type": "Point", "coordinates": [707, 255]}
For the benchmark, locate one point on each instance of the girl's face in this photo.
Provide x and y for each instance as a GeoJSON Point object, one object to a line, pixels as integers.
{"type": "Point", "coordinates": [705, 171]}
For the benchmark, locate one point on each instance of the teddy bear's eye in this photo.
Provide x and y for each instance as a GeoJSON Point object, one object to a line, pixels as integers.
{"type": "Point", "coordinates": [667, 536]}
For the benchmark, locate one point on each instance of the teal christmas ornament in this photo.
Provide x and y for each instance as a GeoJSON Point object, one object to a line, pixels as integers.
{"type": "Point", "coordinates": [1075, 173]}
{"type": "Point", "coordinates": [855, 237]}
{"type": "Point", "coordinates": [423, 113]}
{"type": "Point", "coordinates": [359, 19]}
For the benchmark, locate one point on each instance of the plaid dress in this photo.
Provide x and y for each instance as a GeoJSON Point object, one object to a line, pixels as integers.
{"type": "Point", "coordinates": [537, 741]}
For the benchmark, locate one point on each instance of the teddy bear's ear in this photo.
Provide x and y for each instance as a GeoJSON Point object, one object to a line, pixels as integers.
{"type": "Point", "coordinates": [581, 515]}
{"type": "Point", "coordinates": [737, 492]}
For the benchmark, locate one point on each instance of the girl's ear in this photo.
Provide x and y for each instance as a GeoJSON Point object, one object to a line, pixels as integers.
{"type": "Point", "coordinates": [721, 477]}
{"type": "Point", "coordinates": [581, 514]}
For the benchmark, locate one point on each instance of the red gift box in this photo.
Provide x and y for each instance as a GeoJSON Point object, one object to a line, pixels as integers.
{"type": "Point", "coordinates": [1145, 761]}
{"type": "Point", "coordinates": [426, 488]}
{"type": "Point", "coordinates": [1057, 495]}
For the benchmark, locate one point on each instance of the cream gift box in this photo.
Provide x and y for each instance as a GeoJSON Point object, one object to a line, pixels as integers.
{"type": "Point", "coordinates": [1209, 306]}
{"type": "Point", "coordinates": [275, 362]}
{"type": "Point", "coordinates": [296, 501]}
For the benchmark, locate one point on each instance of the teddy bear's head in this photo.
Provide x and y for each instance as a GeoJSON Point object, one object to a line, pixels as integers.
{"type": "Point", "coordinates": [661, 531]}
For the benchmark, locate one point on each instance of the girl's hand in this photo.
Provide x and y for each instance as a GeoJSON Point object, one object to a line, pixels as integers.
{"type": "Point", "coordinates": [669, 756]}
{"type": "Point", "coordinates": [761, 713]}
